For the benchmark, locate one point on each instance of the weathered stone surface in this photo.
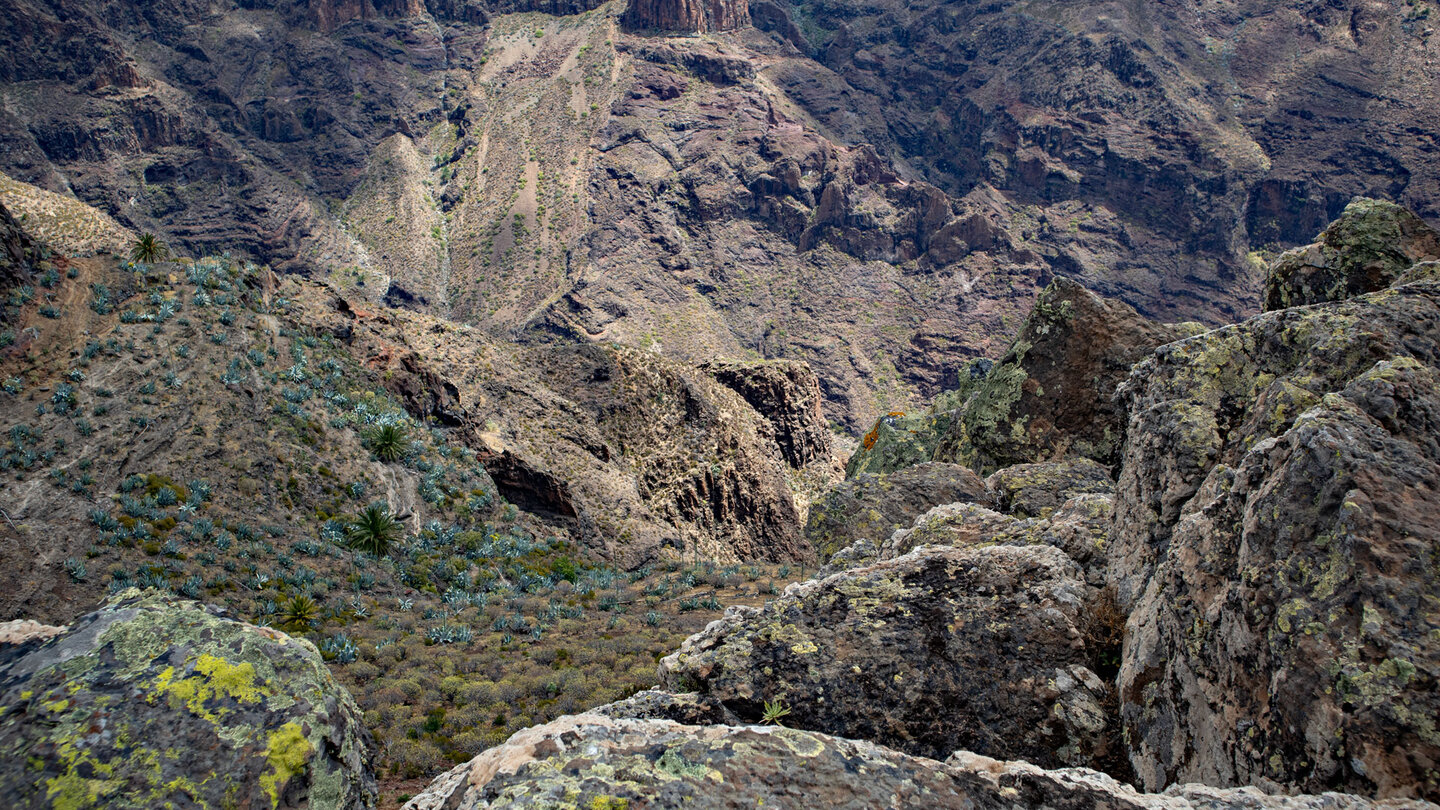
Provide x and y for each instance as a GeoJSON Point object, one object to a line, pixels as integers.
{"type": "Point", "coordinates": [937, 650]}
{"type": "Point", "coordinates": [20, 631]}
{"type": "Point", "coordinates": [151, 701]}
{"type": "Point", "coordinates": [687, 708]}
{"type": "Point", "coordinates": [1036, 490]}
{"type": "Point", "coordinates": [871, 507]}
{"type": "Point", "coordinates": [1080, 528]}
{"type": "Point", "coordinates": [1366, 249]}
{"type": "Point", "coordinates": [599, 762]}
{"type": "Point", "coordinates": [1052, 395]}
{"type": "Point", "coordinates": [1277, 536]}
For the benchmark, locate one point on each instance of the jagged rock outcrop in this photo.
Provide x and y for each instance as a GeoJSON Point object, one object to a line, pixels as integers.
{"type": "Point", "coordinates": [787, 394]}
{"type": "Point", "coordinates": [599, 762]}
{"type": "Point", "coordinates": [938, 650]}
{"type": "Point", "coordinates": [18, 254]}
{"type": "Point", "coordinates": [1051, 395]}
{"type": "Point", "coordinates": [150, 701]}
{"type": "Point", "coordinates": [686, 16]}
{"type": "Point", "coordinates": [899, 440]}
{"type": "Point", "coordinates": [641, 457]}
{"type": "Point", "coordinates": [1365, 250]}
{"type": "Point", "coordinates": [871, 507]}
{"type": "Point", "coordinates": [1276, 537]}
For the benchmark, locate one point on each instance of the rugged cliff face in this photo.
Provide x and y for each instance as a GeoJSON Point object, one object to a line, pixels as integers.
{"type": "Point", "coordinates": [1149, 145]}
{"type": "Point", "coordinates": [686, 16]}
{"type": "Point", "coordinates": [877, 191]}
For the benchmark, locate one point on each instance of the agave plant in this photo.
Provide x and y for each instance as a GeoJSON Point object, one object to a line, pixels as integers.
{"type": "Point", "coordinates": [387, 442]}
{"type": "Point", "coordinates": [374, 530]}
{"type": "Point", "coordinates": [148, 248]}
{"type": "Point", "coordinates": [299, 613]}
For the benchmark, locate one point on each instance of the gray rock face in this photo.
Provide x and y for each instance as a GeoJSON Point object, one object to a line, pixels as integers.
{"type": "Point", "coordinates": [1367, 249]}
{"type": "Point", "coordinates": [1080, 527]}
{"type": "Point", "coordinates": [600, 762]}
{"type": "Point", "coordinates": [941, 649]}
{"type": "Point", "coordinates": [152, 702]}
{"type": "Point", "coordinates": [870, 507]}
{"type": "Point", "coordinates": [1276, 533]}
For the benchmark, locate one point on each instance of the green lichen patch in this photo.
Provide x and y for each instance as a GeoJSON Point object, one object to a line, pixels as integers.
{"type": "Point", "coordinates": [156, 702]}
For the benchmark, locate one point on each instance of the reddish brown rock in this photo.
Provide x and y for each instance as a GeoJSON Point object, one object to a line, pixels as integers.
{"type": "Point", "coordinates": [686, 16]}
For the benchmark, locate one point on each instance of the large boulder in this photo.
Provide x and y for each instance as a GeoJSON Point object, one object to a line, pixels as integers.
{"type": "Point", "coordinates": [1080, 528]}
{"type": "Point", "coordinates": [1052, 395]}
{"type": "Point", "coordinates": [871, 507]}
{"type": "Point", "coordinates": [1036, 490]}
{"type": "Point", "coordinates": [606, 763]}
{"type": "Point", "coordinates": [1367, 249]}
{"type": "Point", "coordinates": [154, 702]}
{"type": "Point", "coordinates": [937, 650]}
{"type": "Point", "coordinates": [1278, 537]}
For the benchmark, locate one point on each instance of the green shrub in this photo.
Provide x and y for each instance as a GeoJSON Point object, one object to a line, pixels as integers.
{"type": "Point", "coordinates": [374, 530]}
{"type": "Point", "coordinates": [388, 442]}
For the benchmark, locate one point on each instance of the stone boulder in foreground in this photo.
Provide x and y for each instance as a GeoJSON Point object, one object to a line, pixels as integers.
{"type": "Point", "coordinates": [935, 651]}
{"type": "Point", "coordinates": [603, 763]}
{"type": "Point", "coordinates": [154, 702]}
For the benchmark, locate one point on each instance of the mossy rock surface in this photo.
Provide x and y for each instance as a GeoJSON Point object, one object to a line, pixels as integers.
{"type": "Point", "coordinates": [1052, 395]}
{"type": "Point", "coordinates": [1367, 249]}
{"type": "Point", "coordinates": [154, 702]}
{"type": "Point", "coordinates": [938, 650]}
{"type": "Point", "coordinates": [1277, 536]}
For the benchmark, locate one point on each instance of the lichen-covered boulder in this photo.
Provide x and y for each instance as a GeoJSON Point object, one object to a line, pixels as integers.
{"type": "Point", "coordinates": [871, 507]}
{"type": "Point", "coordinates": [602, 763]}
{"type": "Point", "coordinates": [1367, 249]}
{"type": "Point", "coordinates": [1036, 490]}
{"type": "Point", "coordinates": [1080, 528]}
{"type": "Point", "coordinates": [155, 702]}
{"type": "Point", "coordinates": [1051, 395]}
{"type": "Point", "coordinates": [941, 649]}
{"type": "Point", "coordinates": [1277, 533]}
